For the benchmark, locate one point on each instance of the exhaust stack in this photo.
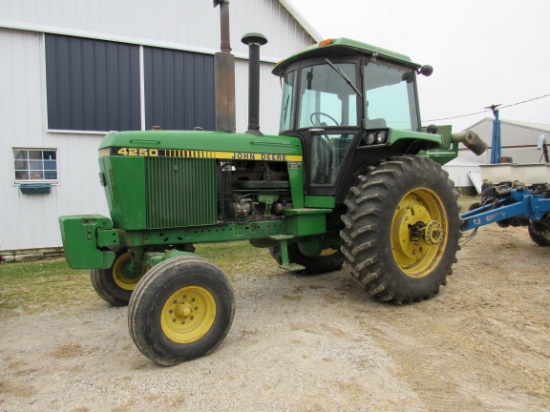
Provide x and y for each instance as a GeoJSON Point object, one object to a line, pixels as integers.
{"type": "Point", "coordinates": [224, 75]}
{"type": "Point", "coordinates": [254, 41]}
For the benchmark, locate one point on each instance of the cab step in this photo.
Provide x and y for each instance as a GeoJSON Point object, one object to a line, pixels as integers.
{"type": "Point", "coordinates": [292, 267]}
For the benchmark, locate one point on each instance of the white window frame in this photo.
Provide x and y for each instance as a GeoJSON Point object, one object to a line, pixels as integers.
{"type": "Point", "coordinates": [29, 170]}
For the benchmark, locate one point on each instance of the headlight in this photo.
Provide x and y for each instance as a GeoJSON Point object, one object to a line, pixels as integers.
{"type": "Point", "coordinates": [369, 138]}
{"type": "Point", "coordinates": [381, 137]}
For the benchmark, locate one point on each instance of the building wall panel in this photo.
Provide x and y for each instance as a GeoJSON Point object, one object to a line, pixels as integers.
{"type": "Point", "coordinates": [30, 221]}
{"type": "Point", "coordinates": [179, 89]}
{"type": "Point", "coordinates": [184, 23]}
{"type": "Point", "coordinates": [92, 85]}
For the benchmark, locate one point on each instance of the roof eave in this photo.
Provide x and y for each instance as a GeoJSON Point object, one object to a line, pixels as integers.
{"type": "Point", "coordinates": [301, 20]}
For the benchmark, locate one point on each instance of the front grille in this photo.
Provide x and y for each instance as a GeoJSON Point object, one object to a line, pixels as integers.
{"type": "Point", "coordinates": [180, 192]}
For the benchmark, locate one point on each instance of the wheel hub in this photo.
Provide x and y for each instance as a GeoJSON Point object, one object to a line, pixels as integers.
{"type": "Point", "coordinates": [183, 311]}
{"type": "Point", "coordinates": [433, 233]}
{"type": "Point", "coordinates": [430, 233]}
{"type": "Point", "coordinates": [418, 232]}
{"type": "Point", "coordinates": [411, 230]}
{"type": "Point", "coordinates": [188, 314]}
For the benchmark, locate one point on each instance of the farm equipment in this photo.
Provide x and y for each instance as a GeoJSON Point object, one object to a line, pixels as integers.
{"type": "Point", "coordinates": [350, 180]}
{"type": "Point", "coordinates": [514, 195]}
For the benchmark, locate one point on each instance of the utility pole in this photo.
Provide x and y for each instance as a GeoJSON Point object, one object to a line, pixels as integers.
{"type": "Point", "coordinates": [496, 145]}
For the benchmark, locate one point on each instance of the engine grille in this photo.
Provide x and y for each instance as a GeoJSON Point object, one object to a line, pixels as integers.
{"type": "Point", "coordinates": [180, 192]}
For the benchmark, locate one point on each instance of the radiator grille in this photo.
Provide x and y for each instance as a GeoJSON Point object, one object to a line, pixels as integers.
{"type": "Point", "coordinates": [180, 192]}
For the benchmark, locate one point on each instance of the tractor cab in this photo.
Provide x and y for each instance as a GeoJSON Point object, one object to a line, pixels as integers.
{"type": "Point", "coordinates": [343, 99]}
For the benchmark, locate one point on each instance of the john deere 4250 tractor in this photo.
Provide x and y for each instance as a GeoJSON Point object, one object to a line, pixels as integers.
{"type": "Point", "coordinates": [350, 180]}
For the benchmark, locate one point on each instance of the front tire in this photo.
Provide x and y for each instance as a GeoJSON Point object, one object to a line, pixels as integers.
{"type": "Point", "coordinates": [116, 284]}
{"type": "Point", "coordinates": [182, 309]}
{"type": "Point", "coordinates": [401, 229]}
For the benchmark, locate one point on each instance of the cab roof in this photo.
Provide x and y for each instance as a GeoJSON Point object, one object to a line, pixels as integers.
{"type": "Point", "coordinates": [342, 47]}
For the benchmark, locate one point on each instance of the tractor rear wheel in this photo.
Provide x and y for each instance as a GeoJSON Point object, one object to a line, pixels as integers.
{"type": "Point", "coordinates": [401, 229]}
{"type": "Point", "coordinates": [539, 233]}
{"type": "Point", "coordinates": [116, 284]}
{"type": "Point", "coordinates": [182, 309]}
{"type": "Point", "coordinates": [327, 261]}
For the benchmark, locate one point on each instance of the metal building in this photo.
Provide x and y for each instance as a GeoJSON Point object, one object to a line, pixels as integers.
{"type": "Point", "coordinates": [519, 140]}
{"type": "Point", "coordinates": [72, 70]}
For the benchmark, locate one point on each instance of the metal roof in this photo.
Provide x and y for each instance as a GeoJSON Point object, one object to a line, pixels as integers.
{"type": "Point", "coordinates": [462, 162]}
{"type": "Point", "coordinates": [526, 125]}
{"type": "Point", "coordinates": [301, 20]}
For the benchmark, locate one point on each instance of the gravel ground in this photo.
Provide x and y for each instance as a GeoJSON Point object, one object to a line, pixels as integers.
{"type": "Point", "coordinates": [310, 344]}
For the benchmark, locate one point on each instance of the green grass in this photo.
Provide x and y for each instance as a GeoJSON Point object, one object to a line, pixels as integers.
{"type": "Point", "coordinates": [466, 201]}
{"type": "Point", "coordinates": [41, 285]}
{"type": "Point", "coordinates": [50, 284]}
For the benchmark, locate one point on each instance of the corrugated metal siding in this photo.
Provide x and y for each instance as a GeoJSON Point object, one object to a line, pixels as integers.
{"type": "Point", "coordinates": [191, 23]}
{"type": "Point", "coordinates": [270, 98]}
{"type": "Point", "coordinates": [92, 84]}
{"type": "Point", "coordinates": [31, 221]}
{"type": "Point", "coordinates": [518, 141]}
{"type": "Point", "coordinates": [179, 89]}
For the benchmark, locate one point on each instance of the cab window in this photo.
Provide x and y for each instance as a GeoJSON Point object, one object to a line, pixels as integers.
{"type": "Point", "coordinates": [326, 98]}
{"type": "Point", "coordinates": [389, 97]}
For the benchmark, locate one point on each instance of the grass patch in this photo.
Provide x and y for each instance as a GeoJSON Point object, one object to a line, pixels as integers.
{"type": "Point", "coordinates": [50, 284]}
{"type": "Point", "coordinates": [466, 201]}
{"type": "Point", "coordinates": [239, 258]}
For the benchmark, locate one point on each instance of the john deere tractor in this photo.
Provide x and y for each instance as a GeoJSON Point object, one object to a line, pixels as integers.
{"type": "Point", "coordinates": [351, 180]}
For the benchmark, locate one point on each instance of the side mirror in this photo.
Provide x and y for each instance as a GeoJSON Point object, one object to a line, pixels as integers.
{"type": "Point", "coordinates": [432, 129]}
{"type": "Point", "coordinates": [426, 70]}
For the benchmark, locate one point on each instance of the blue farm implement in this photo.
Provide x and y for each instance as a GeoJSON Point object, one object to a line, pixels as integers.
{"type": "Point", "coordinates": [523, 202]}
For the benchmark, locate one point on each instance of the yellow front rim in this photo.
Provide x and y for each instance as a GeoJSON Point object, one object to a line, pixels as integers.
{"type": "Point", "coordinates": [419, 211]}
{"type": "Point", "coordinates": [121, 274]}
{"type": "Point", "coordinates": [328, 252]}
{"type": "Point", "coordinates": [188, 314]}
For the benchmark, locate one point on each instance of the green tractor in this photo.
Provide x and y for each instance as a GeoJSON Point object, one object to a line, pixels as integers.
{"type": "Point", "coordinates": [351, 180]}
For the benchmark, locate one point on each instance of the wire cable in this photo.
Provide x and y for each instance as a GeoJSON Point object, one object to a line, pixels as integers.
{"type": "Point", "coordinates": [487, 111]}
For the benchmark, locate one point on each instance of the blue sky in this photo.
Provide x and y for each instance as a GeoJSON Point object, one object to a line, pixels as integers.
{"type": "Point", "coordinates": [483, 51]}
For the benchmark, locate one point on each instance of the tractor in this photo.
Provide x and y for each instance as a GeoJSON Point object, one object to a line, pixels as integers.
{"type": "Point", "coordinates": [352, 181]}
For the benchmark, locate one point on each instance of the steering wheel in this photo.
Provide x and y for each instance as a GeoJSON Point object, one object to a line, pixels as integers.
{"type": "Point", "coordinates": [317, 116]}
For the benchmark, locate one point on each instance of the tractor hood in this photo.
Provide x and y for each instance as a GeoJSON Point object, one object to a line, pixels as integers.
{"type": "Point", "coordinates": [201, 144]}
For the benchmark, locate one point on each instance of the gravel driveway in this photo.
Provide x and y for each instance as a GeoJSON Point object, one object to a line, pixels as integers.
{"type": "Point", "coordinates": [313, 343]}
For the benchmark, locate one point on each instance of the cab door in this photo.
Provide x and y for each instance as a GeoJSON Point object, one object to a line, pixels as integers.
{"type": "Point", "coordinates": [328, 119]}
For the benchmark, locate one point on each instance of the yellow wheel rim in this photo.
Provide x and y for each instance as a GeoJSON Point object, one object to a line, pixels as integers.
{"type": "Point", "coordinates": [328, 252]}
{"type": "Point", "coordinates": [419, 211]}
{"type": "Point", "coordinates": [188, 314]}
{"type": "Point", "coordinates": [122, 276]}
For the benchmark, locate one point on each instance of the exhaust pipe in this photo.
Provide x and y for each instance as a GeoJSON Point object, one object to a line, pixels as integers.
{"type": "Point", "coordinates": [471, 140]}
{"type": "Point", "coordinates": [254, 41]}
{"type": "Point", "coordinates": [224, 75]}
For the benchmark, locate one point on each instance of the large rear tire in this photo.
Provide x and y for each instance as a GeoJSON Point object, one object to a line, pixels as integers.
{"type": "Point", "coordinates": [401, 229]}
{"type": "Point", "coordinates": [116, 284]}
{"type": "Point", "coordinates": [328, 260]}
{"type": "Point", "coordinates": [182, 309]}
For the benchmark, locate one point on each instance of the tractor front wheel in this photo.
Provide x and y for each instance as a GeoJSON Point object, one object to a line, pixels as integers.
{"type": "Point", "coordinates": [116, 284]}
{"type": "Point", "coordinates": [182, 309]}
{"type": "Point", "coordinates": [401, 229]}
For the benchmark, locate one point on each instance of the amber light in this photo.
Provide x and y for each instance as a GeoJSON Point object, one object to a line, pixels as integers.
{"type": "Point", "coordinates": [325, 42]}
